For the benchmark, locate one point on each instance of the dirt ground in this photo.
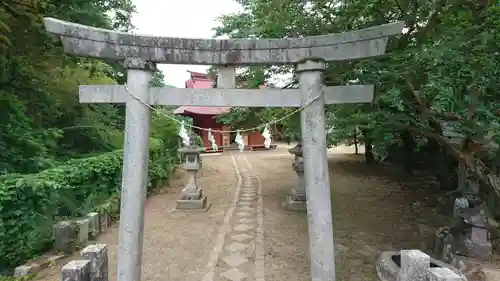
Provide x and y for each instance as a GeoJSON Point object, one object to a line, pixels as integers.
{"type": "Point", "coordinates": [372, 212]}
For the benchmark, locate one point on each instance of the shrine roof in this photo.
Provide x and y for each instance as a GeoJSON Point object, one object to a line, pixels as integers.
{"type": "Point", "coordinates": [200, 81]}
{"type": "Point", "coordinates": [201, 110]}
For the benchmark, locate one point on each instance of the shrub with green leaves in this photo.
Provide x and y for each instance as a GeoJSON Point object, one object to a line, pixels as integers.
{"type": "Point", "coordinates": [31, 204]}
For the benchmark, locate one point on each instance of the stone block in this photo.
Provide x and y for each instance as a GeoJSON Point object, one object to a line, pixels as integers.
{"type": "Point", "coordinates": [294, 205]}
{"type": "Point", "coordinates": [93, 224]}
{"type": "Point", "coordinates": [414, 265]}
{"type": "Point", "coordinates": [104, 222]}
{"type": "Point", "coordinates": [443, 274]}
{"type": "Point", "coordinates": [78, 270]}
{"type": "Point", "coordinates": [298, 194]}
{"type": "Point", "coordinates": [98, 256]}
{"type": "Point", "coordinates": [65, 236]}
{"type": "Point", "coordinates": [194, 204]}
{"type": "Point", "coordinates": [389, 265]}
{"type": "Point", "coordinates": [82, 230]}
{"type": "Point", "coordinates": [40, 264]}
{"type": "Point", "coordinates": [104, 219]}
{"type": "Point", "coordinates": [479, 250]}
{"type": "Point", "coordinates": [114, 209]}
{"type": "Point", "coordinates": [24, 270]}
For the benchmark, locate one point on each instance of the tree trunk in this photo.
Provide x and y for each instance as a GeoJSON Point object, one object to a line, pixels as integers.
{"type": "Point", "coordinates": [356, 151]}
{"type": "Point", "coordinates": [369, 157]}
{"type": "Point", "coordinates": [408, 151]}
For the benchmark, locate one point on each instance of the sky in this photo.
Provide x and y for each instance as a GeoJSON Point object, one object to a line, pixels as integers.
{"type": "Point", "coordinates": [180, 18]}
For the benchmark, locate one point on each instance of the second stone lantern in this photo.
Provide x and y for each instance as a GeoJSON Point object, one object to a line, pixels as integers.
{"type": "Point", "coordinates": [297, 200]}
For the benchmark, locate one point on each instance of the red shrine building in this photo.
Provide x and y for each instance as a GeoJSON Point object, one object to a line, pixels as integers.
{"type": "Point", "coordinates": [205, 117]}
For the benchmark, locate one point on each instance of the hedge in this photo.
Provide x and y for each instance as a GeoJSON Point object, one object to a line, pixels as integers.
{"type": "Point", "coordinates": [31, 204]}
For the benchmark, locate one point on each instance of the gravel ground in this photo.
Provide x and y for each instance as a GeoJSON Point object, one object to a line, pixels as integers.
{"type": "Point", "coordinates": [176, 244]}
{"type": "Point", "coordinates": [373, 212]}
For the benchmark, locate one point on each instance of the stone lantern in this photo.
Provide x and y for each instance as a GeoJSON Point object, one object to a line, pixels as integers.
{"type": "Point", "coordinates": [192, 195]}
{"type": "Point", "coordinates": [297, 200]}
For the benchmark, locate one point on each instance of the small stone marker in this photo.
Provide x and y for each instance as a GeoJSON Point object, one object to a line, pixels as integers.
{"type": "Point", "coordinates": [104, 219]}
{"type": "Point", "coordinates": [93, 224]}
{"type": "Point", "coordinates": [98, 256]}
{"type": "Point", "coordinates": [78, 270]}
{"type": "Point", "coordinates": [64, 237]}
{"type": "Point", "coordinates": [82, 229]}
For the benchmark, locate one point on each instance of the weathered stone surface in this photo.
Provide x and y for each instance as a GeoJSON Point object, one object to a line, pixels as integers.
{"type": "Point", "coordinates": [194, 204]}
{"type": "Point", "coordinates": [93, 224]}
{"type": "Point", "coordinates": [104, 217]}
{"type": "Point", "coordinates": [24, 270]}
{"type": "Point", "coordinates": [318, 189]}
{"type": "Point", "coordinates": [414, 265]}
{"type": "Point", "coordinates": [98, 256]}
{"type": "Point", "coordinates": [139, 63]}
{"type": "Point", "coordinates": [297, 201]}
{"type": "Point", "coordinates": [103, 222]}
{"type": "Point", "coordinates": [271, 97]}
{"type": "Point", "coordinates": [65, 236]}
{"type": "Point", "coordinates": [78, 270]}
{"type": "Point", "coordinates": [443, 274]}
{"type": "Point", "coordinates": [82, 229]}
{"type": "Point", "coordinates": [295, 205]}
{"type": "Point", "coordinates": [94, 42]}
{"type": "Point", "coordinates": [299, 190]}
{"type": "Point", "coordinates": [40, 264]}
{"type": "Point", "coordinates": [389, 270]}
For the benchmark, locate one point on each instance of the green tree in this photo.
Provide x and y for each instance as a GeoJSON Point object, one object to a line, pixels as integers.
{"type": "Point", "coordinates": [443, 68]}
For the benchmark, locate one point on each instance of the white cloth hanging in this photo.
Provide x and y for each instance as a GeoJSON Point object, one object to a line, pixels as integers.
{"type": "Point", "coordinates": [267, 137]}
{"type": "Point", "coordinates": [239, 140]}
{"type": "Point", "coordinates": [184, 135]}
{"type": "Point", "coordinates": [212, 140]}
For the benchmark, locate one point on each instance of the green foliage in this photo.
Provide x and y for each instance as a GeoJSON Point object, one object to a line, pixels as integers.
{"type": "Point", "coordinates": [59, 158]}
{"type": "Point", "coordinates": [42, 121]}
{"type": "Point", "coordinates": [444, 67]}
{"type": "Point", "coordinates": [14, 278]}
{"type": "Point", "coordinates": [31, 204]}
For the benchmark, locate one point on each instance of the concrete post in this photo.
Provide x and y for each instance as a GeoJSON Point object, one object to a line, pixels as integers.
{"type": "Point", "coordinates": [135, 171]}
{"type": "Point", "coordinates": [319, 207]}
{"type": "Point", "coordinates": [78, 270]}
{"type": "Point", "coordinates": [98, 256]}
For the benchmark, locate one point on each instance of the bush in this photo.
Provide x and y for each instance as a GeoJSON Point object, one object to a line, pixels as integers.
{"type": "Point", "coordinates": [31, 204]}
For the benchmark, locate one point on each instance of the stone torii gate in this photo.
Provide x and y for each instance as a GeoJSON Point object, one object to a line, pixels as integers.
{"type": "Point", "coordinates": [140, 55]}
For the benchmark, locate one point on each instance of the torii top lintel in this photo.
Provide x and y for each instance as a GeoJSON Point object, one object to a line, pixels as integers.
{"type": "Point", "coordinates": [89, 41]}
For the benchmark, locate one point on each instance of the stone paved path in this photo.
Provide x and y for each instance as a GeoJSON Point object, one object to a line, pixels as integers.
{"type": "Point", "coordinates": [239, 251]}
